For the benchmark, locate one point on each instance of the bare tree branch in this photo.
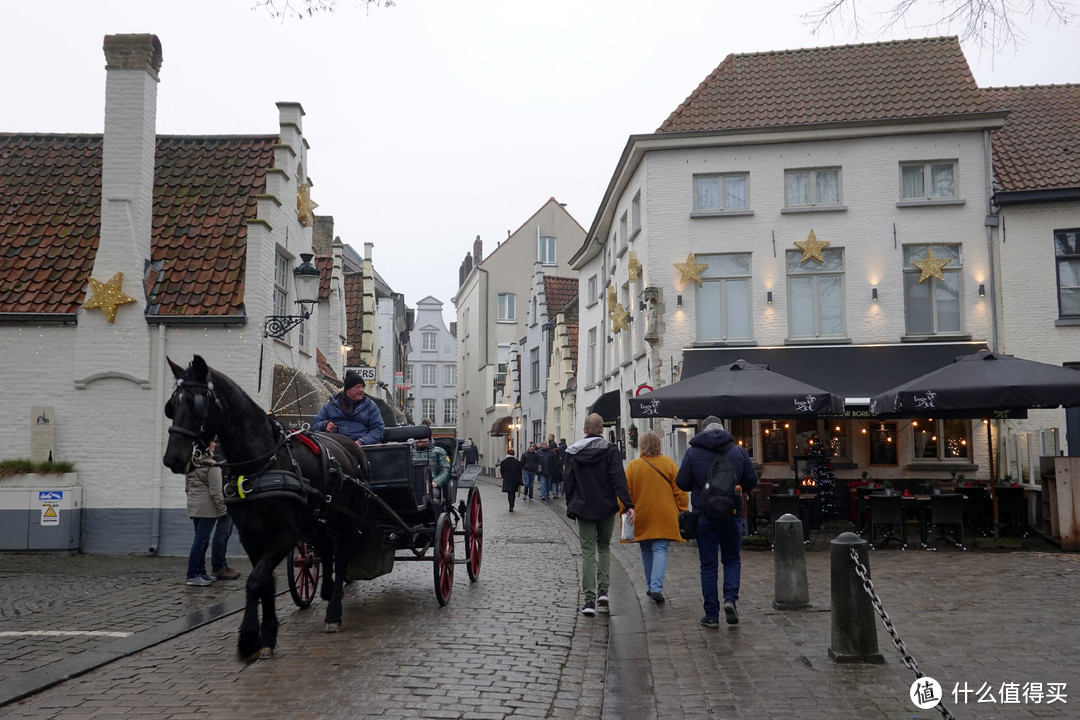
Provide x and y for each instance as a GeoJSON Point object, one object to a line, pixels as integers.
{"type": "Point", "coordinates": [993, 25]}
{"type": "Point", "coordinates": [300, 9]}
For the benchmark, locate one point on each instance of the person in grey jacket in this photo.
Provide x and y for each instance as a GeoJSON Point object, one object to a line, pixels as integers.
{"type": "Point", "coordinates": [206, 508]}
{"type": "Point", "coordinates": [594, 484]}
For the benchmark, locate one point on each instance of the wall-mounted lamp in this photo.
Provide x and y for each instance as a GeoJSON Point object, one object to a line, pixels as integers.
{"type": "Point", "coordinates": [610, 339]}
{"type": "Point", "coordinates": [306, 281]}
{"type": "Point", "coordinates": [768, 297]}
{"type": "Point", "coordinates": [641, 306]}
{"type": "Point", "coordinates": [982, 290]}
{"type": "Point", "coordinates": [873, 294]}
{"type": "Point", "coordinates": [629, 318]}
{"type": "Point", "coordinates": [678, 300]}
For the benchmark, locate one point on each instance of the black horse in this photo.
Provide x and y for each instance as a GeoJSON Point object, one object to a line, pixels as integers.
{"type": "Point", "coordinates": [280, 487]}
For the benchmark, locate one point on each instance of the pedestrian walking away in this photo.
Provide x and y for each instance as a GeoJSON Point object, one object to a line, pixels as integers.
{"type": "Point", "coordinates": [470, 451]}
{"type": "Point", "coordinates": [595, 484]}
{"type": "Point", "coordinates": [510, 469]}
{"type": "Point", "coordinates": [701, 463]}
{"type": "Point", "coordinates": [658, 502]}
{"type": "Point", "coordinates": [530, 465]}
{"type": "Point", "coordinates": [547, 469]}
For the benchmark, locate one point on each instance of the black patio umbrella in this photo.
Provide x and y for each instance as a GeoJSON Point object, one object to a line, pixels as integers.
{"type": "Point", "coordinates": [985, 385]}
{"type": "Point", "coordinates": [739, 390]}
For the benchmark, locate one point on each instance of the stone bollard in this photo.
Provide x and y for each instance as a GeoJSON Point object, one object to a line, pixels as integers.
{"type": "Point", "coordinates": [789, 561]}
{"type": "Point", "coordinates": [854, 621]}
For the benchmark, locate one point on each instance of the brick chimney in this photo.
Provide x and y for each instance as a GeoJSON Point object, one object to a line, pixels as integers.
{"type": "Point", "coordinates": [132, 63]}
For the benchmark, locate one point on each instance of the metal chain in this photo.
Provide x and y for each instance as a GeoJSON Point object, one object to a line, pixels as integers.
{"type": "Point", "coordinates": [909, 661]}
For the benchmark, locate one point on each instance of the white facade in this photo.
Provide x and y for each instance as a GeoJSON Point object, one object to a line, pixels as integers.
{"type": "Point", "coordinates": [433, 366]}
{"type": "Point", "coordinates": [492, 311]}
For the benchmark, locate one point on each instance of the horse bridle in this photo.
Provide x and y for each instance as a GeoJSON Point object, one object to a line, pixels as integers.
{"type": "Point", "coordinates": [202, 396]}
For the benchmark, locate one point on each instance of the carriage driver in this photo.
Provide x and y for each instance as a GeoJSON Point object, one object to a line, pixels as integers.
{"type": "Point", "coordinates": [352, 413]}
{"type": "Point", "coordinates": [438, 461]}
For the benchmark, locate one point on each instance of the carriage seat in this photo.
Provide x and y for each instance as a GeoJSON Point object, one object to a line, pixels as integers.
{"type": "Point", "coordinates": [396, 478]}
{"type": "Point", "coordinates": [404, 433]}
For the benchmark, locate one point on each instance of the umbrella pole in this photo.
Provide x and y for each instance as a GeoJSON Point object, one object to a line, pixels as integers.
{"type": "Point", "coordinates": [993, 479]}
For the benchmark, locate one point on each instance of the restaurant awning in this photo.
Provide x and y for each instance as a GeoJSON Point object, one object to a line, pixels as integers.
{"type": "Point", "coordinates": [607, 406]}
{"type": "Point", "coordinates": [854, 372]}
{"type": "Point", "coordinates": [501, 426]}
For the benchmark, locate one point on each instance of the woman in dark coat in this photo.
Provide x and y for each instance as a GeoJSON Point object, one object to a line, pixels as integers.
{"type": "Point", "coordinates": [510, 468]}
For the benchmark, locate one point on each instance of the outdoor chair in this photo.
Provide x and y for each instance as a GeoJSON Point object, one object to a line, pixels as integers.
{"type": "Point", "coordinates": [1012, 510]}
{"type": "Point", "coordinates": [977, 509]}
{"type": "Point", "coordinates": [946, 511]}
{"type": "Point", "coordinates": [887, 511]}
{"type": "Point", "coordinates": [761, 495]}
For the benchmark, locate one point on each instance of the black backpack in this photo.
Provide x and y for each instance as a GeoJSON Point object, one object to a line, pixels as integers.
{"type": "Point", "coordinates": [719, 501]}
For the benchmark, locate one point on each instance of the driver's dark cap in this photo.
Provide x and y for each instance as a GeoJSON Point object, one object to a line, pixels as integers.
{"type": "Point", "coordinates": [352, 378]}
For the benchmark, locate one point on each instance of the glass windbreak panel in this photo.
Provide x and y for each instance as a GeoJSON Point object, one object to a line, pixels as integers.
{"type": "Point", "coordinates": [956, 445]}
{"type": "Point", "coordinates": [925, 439]}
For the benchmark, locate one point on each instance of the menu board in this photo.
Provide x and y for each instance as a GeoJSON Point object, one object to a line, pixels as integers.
{"type": "Point", "coordinates": [883, 443]}
{"type": "Point", "coordinates": [774, 445]}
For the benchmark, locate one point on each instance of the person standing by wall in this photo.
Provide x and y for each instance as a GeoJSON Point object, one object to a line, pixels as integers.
{"type": "Point", "coordinates": [530, 465]}
{"type": "Point", "coordinates": [595, 483]}
{"type": "Point", "coordinates": [206, 508]}
{"type": "Point", "coordinates": [658, 500]}
{"type": "Point", "coordinates": [714, 443]}
{"type": "Point", "coordinates": [547, 469]}
{"type": "Point", "coordinates": [472, 453]}
{"type": "Point", "coordinates": [510, 469]}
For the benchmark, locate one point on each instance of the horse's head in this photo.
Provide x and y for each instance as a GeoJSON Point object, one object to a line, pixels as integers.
{"type": "Point", "coordinates": [193, 411]}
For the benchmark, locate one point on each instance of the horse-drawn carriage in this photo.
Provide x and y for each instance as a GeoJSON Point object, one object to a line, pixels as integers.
{"type": "Point", "coordinates": [414, 519]}
{"type": "Point", "coordinates": [341, 512]}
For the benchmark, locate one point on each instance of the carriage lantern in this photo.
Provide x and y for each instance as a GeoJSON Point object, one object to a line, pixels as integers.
{"type": "Point", "coordinates": [306, 278]}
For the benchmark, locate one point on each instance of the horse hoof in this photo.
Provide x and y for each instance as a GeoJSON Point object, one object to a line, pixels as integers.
{"type": "Point", "coordinates": [247, 658]}
{"type": "Point", "coordinates": [333, 627]}
{"type": "Point", "coordinates": [266, 653]}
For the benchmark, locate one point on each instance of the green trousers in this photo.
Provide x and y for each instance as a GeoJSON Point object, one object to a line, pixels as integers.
{"type": "Point", "coordinates": [595, 539]}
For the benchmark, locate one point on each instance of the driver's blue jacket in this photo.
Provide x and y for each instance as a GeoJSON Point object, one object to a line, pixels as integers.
{"type": "Point", "coordinates": [361, 421]}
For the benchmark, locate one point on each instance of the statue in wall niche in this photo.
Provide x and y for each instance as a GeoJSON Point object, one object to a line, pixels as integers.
{"type": "Point", "coordinates": [651, 296]}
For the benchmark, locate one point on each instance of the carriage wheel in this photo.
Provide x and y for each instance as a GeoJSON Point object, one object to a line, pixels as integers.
{"type": "Point", "coordinates": [474, 534]}
{"type": "Point", "coordinates": [303, 574]}
{"type": "Point", "coordinates": [444, 558]}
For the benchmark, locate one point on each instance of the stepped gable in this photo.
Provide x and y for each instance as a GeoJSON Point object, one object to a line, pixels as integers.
{"type": "Point", "coordinates": [875, 82]}
{"type": "Point", "coordinates": [205, 191]}
{"type": "Point", "coordinates": [1038, 148]}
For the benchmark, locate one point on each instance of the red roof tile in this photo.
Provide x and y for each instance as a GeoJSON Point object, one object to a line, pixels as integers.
{"type": "Point", "coordinates": [354, 324]}
{"type": "Point", "coordinates": [902, 79]}
{"type": "Point", "coordinates": [50, 207]}
{"type": "Point", "coordinates": [558, 291]}
{"type": "Point", "coordinates": [1038, 148]}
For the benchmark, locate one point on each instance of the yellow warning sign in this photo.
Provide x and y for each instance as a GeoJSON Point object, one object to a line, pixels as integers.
{"type": "Point", "coordinates": [50, 511]}
{"type": "Point", "coordinates": [50, 514]}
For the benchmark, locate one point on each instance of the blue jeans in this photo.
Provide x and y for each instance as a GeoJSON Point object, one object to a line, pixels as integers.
{"type": "Point", "coordinates": [654, 559]}
{"type": "Point", "coordinates": [196, 564]}
{"type": "Point", "coordinates": [527, 489]}
{"type": "Point", "coordinates": [222, 530]}
{"type": "Point", "coordinates": [724, 539]}
{"type": "Point", "coordinates": [545, 487]}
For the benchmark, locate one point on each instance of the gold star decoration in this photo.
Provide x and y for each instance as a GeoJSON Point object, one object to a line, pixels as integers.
{"type": "Point", "coordinates": [691, 270]}
{"type": "Point", "coordinates": [632, 267]}
{"type": "Point", "coordinates": [931, 266]}
{"type": "Point", "coordinates": [618, 318]}
{"type": "Point", "coordinates": [811, 248]}
{"type": "Point", "coordinates": [610, 298]}
{"type": "Point", "coordinates": [305, 206]}
{"type": "Point", "coordinates": [107, 296]}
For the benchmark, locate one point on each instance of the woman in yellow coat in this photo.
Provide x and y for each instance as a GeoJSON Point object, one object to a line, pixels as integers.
{"type": "Point", "coordinates": [658, 502]}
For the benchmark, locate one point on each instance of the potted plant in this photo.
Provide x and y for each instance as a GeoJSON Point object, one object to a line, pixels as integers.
{"type": "Point", "coordinates": [935, 486]}
{"type": "Point", "coordinates": [888, 485]}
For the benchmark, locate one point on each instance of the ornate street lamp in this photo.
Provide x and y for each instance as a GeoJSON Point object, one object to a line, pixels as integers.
{"type": "Point", "coordinates": [306, 279]}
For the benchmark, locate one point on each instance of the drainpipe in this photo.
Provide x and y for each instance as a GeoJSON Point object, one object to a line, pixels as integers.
{"type": "Point", "coordinates": [159, 426]}
{"type": "Point", "coordinates": [992, 221]}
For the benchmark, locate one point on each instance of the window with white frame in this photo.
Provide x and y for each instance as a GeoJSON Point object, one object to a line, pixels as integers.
{"type": "Point", "coordinates": [624, 230]}
{"type": "Point", "coordinates": [928, 180]}
{"type": "Point", "coordinates": [714, 193]}
{"type": "Point", "coordinates": [590, 358]}
{"type": "Point", "coordinates": [816, 294]}
{"type": "Point", "coordinates": [281, 285]}
{"type": "Point", "coordinates": [635, 213]}
{"type": "Point", "coordinates": [431, 341]}
{"type": "Point", "coordinates": [545, 251]}
{"type": "Point", "coordinates": [427, 409]}
{"type": "Point", "coordinates": [723, 300]}
{"type": "Point", "coordinates": [812, 187]}
{"type": "Point", "coordinates": [537, 431]}
{"type": "Point", "coordinates": [940, 439]}
{"type": "Point", "coordinates": [932, 306]}
{"type": "Point", "coordinates": [450, 375]}
{"type": "Point", "coordinates": [591, 294]}
{"type": "Point", "coordinates": [507, 307]}
{"type": "Point", "coordinates": [534, 368]}
{"type": "Point", "coordinates": [410, 373]}
{"type": "Point", "coordinates": [427, 374]}
{"type": "Point", "coordinates": [450, 411]}
{"type": "Point", "coordinates": [1067, 253]}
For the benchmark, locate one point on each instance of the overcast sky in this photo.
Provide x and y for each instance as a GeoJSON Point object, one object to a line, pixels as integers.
{"type": "Point", "coordinates": [434, 121]}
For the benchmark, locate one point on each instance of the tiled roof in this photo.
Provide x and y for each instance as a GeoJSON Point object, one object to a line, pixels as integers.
{"type": "Point", "coordinates": [324, 366]}
{"type": "Point", "coordinates": [354, 324]}
{"type": "Point", "coordinates": [1038, 148]}
{"type": "Point", "coordinates": [903, 79]}
{"type": "Point", "coordinates": [558, 291]}
{"type": "Point", "coordinates": [325, 264]}
{"type": "Point", "coordinates": [50, 206]}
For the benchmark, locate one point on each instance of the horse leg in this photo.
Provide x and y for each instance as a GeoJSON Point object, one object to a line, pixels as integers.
{"type": "Point", "coordinates": [326, 555]}
{"type": "Point", "coordinates": [248, 645]}
{"type": "Point", "coordinates": [341, 566]}
{"type": "Point", "coordinates": [269, 628]}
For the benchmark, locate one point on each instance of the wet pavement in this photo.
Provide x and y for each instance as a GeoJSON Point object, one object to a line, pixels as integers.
{"type": "Point", "coordinates": [122, 636]}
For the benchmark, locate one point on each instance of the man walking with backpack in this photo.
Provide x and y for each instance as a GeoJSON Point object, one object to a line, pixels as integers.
{"type": "Point", "coordinates": [717, 472]}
